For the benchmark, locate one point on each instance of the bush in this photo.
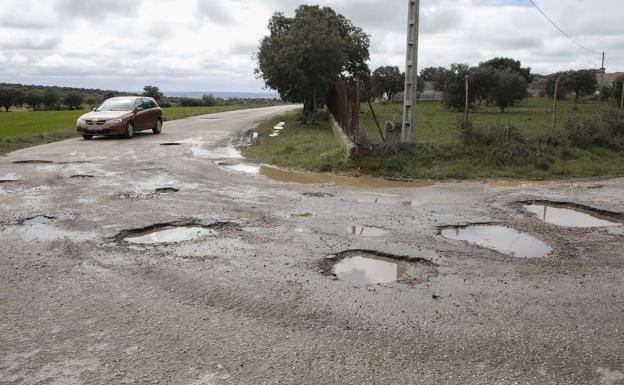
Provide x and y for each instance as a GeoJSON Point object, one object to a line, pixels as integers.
{"type": "Point", "coordinates": [605, 131]}
{"type": "Point", "coordinates": [493, 134]}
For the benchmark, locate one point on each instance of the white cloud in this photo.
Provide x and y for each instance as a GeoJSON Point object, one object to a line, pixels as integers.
{"type": "Point", "coordinates": [207, 45]}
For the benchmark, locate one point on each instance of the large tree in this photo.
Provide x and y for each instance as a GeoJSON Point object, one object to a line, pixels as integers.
{"type": "Point", "coordinates": [10, 97]}
{"type": "Point", "coordinates": [453, 87]}
{"type": "Point", "coordinates": [303, 56]}
{"type": "Point", "coordinates": [50, 98]}
{"type": "Point", "coordinates": [153, 92]}
{"type": "Point", "coordinates": [387, 80]}
{"type": "Point", "coordinates": [508, 88]}
{"type": "Point", "coordinates": [34, 99]}
{"type": "Point", "coordinates": [583, 82]}
{"type": "Point", "coordinates": [505, 63]}
{"type": "Point", "coordinates": [73, 101]}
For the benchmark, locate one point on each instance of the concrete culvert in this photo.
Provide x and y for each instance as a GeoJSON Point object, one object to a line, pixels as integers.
{"type": "Point", "coordinates": [374, 267]}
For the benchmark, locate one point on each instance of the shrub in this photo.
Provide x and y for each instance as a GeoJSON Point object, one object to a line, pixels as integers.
{"type": "Point", "coordinates": [604, 131]}
{"type": "Point", "coordinates": [492, 134]}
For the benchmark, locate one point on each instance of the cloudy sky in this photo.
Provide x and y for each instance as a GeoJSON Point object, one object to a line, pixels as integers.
{"type": "Point", "coordinates": [207, 45]}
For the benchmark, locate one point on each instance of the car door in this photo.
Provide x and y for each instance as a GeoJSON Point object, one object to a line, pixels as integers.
{"type": "Point", "coordinates": [141, 118]}
{"type": "Point", "coordinates": [153, 113]}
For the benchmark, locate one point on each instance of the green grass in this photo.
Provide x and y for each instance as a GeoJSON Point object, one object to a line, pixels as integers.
{"type": "Point", "coordinates": [437, 124]}
{"type": "Point", "coordinates": [298, 146]}
{"type": "Point", "coordinates": [440, 152]}
{"type": "Point", "coordinates": [30, 128]}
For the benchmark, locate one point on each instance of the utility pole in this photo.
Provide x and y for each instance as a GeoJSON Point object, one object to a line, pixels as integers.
{"type": "Point", "coordinates": [602, 72]}
{"type": "Point", "coordinates": [408, 134]}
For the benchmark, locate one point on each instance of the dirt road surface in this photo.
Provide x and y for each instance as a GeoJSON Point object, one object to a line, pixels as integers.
{"type": "Point", "coordinates": [253, 300]}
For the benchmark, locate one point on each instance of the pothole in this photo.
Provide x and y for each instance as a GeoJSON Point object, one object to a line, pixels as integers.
{"type": "Point", "coordinates": [171, 144]}
{"type": "Point", "coordinates": [32, 161]}
{"type": "Point", "coordinates": [573, 215]}
{"type": "Point", "coordinates": [82, 176]}
{"type": "Point", "coordinates": [37, 220]}
{"type": "Point", "coordinates": [166, 190]}
{"type": "Point", "coordinates": [372, 267]}
{"type": "Point", "coordinates": [7, 181]}
{"type": "Point", "coordinates": [244, 168]}
{"type": "Point", "coordinates": [367, 231]}
{"type": "Point", "coordinates": [173, 232]}
{"type": "Point", "coordinates": [318, 194]}
{"type": "Point", "coordinates": [505, 240]}
{"type": "Point", "coordinates": [301, 215]}
{"type": "Point", "coordinates": [304, 177]}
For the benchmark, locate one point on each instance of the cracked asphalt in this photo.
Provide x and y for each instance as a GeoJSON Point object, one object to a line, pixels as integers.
{"type": "Point", "coordinates": [250, 303]}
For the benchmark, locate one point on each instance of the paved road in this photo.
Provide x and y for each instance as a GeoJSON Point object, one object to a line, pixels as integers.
{"type": "Point", "coordinates": [251, 302]}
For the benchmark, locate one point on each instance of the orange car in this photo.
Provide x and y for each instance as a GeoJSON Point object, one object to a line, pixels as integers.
{"type": "Point", "coordinates": [122, 115]}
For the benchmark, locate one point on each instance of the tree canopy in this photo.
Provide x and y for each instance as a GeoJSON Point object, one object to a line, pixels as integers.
{"type": "Point", "coordinates": [153, 92]}
{"type": "Point", "coordinates": [387, 80]}
{"type": "Point", "coordinates": [303, 56]}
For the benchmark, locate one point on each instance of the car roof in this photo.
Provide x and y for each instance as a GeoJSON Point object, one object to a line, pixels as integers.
{"type": "Point", "coordinates": [130, 97]}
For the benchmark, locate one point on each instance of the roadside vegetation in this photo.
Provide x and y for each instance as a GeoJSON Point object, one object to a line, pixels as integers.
{"type": "Point", "coordinates": [299, 145]}
{"type": "Point", "coordinates": [586, 145]}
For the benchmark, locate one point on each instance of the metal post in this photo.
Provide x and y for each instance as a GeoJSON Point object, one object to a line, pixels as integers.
{"type": "Point", "coordinates": [554, 121]}
{"type": "Point", "coordinates": [602, 72]}
{"type": "Point", "coordinates": [467, 107]}
{"type": "Point", "coordinates": [408, 134]}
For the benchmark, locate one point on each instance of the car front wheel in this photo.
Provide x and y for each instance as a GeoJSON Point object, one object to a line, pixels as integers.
{"type": "Point", "coordinates": [87, 137]}
{"type": "Point", "coordinates": [130, 130]}
{"type": "Point", "coordinates": [158, 128]}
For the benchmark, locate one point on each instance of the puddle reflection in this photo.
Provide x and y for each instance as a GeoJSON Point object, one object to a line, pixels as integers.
{"type": "Point", "coordinates": [369, 270]}
{"type": "Point", "coordinates": [569, 217]}
{"type": "Point", "coordinates": [169, 235]}
{"type": "Point", "coordinates": [502, 239]}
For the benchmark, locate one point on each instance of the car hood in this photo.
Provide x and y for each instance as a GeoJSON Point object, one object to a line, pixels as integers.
{"type": "Point", "coordinates": [106, 115]}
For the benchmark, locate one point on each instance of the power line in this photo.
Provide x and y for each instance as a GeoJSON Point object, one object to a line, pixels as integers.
{"type": "Point", "coordinates": [562, 31]}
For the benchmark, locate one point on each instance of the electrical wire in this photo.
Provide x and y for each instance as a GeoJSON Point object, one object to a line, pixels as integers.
{"type": "Point", "coordinates": [562, 31]}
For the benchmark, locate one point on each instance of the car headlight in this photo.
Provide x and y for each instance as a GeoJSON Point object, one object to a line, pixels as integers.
{"type": "Point", "coordinates": [81, 121]}
{"type": "Point", "coordinates": [114, 121]}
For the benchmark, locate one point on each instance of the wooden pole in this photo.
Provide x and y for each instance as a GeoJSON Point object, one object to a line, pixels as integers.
{"type": "Point", "coordinates": [602, 72]}
{"type": "Point", "coordinates": [622, 100]}
{"type": "Point", "coordinates": [554, 122]}
{"type": "Point", "coordinates": [370, 105]}
{"type": "Point", "coordinates": [467, 107]}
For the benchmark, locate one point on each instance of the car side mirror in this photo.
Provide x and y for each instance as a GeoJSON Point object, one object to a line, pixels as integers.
{"type": "Point", "coordinates": [94, 108]}
{"type": "Point", "coordinates": [138, 109]}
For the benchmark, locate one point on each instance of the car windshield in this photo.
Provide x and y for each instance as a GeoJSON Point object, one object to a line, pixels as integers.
{"type": "Point", "coordinates": [117, 105]}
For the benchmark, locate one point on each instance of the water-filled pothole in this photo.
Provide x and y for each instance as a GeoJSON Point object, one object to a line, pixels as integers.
{"type": "Point", "coordinates": [37, 220]}
{"type": "Point", "coordinates": [573, 215]}
{"type": "Point", "coordinates": [318, 194]}
{"type": "Point", "coordinates": [174, 232]}
{"type": "Point", "coordinates": [367, 231]}
{"type": "Point", "coordinates": [166, 190]}
{"type": "Point", "coordinates": [303, 177]}
{"type": "Point", "coordinates": [32, 161]}
{"type": "Point", "coordinates": [372, 267]}
{"type": "Point", "coordinates": [499, 238]}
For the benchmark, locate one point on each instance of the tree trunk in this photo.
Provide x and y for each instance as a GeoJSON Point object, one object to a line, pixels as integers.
{"type": "Point", "coordinates": [314, 106]}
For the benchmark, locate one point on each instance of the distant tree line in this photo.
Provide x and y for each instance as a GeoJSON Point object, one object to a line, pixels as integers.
{"type": "Point", "coordinates": [56, 98]}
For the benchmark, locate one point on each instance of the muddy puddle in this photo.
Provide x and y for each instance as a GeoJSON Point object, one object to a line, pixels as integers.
{"type": "Point", "coordinates": [302, 177]}
{"type": "Point", "coordinates": [367, 231]}
{"type": "Point", "coordinates": [579, 217]}
{"type": "Point", "coordinates": [169, 235]}
{"type": "Point", "coordinates": [38, 220]}
{"type": "Point", "coordinates": [519, 183]}
{"type": "Point", "coordinates": [369, 269]}
{"type": "Point", "coordinates": [505, 240]}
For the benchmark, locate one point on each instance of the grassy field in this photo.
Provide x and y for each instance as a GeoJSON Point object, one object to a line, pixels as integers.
{"type": "Point", "coordinates": [441, 152]}
{"type": "Point", "coordinates": [436, 124]}
{"type": "Point", "coordinates": [22, 129]}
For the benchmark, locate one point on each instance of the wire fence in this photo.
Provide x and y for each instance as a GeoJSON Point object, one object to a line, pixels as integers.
{"type": "Point", "coordinates": [533, 116]}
